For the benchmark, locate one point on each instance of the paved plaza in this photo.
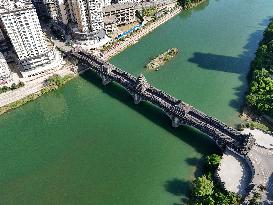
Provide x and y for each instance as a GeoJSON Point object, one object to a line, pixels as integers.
{"type": "Point", "coordinates": [236, 174]}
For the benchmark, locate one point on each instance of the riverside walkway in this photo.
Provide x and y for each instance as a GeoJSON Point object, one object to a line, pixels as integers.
{"type": "Point", "coordinates": [179, 112]}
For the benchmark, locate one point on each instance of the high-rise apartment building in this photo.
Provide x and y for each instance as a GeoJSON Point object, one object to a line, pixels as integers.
{"type": "Point", "coordinates": [56, 10]}
{"type": "Point", "coordinates": [53, 9]}
{"type": "Point", "coordinates": [23, 28]}
{"type": "Point", "coordinates": [63, 15]}
{"type": "Point", "coordinates": [5, 74]}
{"type": "Point", "coordinates": [88, 17]}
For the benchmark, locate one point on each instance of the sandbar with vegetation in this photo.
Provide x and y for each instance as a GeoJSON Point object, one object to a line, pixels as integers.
{"type": "Point", "coordinates": [163, 58]}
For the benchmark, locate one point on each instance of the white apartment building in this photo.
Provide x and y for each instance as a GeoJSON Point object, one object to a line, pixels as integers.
{"type": "Point", "coordinates": [56, 10]}
{"type": "Point", "coordinates": [88, 19]}
{"type": "Point", "coordinates": [89, 15]}
{"type": "Point", "coordinates": [23, 28]}
{"type": "Point", "coordinates": [5, 74]}
{"type": "Point", "coordinates": [63, 13]}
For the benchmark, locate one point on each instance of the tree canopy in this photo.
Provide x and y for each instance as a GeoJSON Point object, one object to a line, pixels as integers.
{"type": "Point", "coordinates": [260, 95]}
{"type": "Point", "coordinates": [203, 186]}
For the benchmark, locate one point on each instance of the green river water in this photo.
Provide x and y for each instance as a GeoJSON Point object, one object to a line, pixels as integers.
{"type": "Point", "coordinates": [89, 144]}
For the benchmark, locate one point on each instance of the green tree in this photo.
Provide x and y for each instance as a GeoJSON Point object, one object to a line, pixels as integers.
{"type": "Point", "coordinates": [213, 161]}
{"type": "Point", "coordinates": [5, 88]}
{"type": "Point", "coordinates": [55, 80]}
{"type": "Point", "coordinates": [202, 187]}
{"type": "Point", "coordinates": [21, 84]}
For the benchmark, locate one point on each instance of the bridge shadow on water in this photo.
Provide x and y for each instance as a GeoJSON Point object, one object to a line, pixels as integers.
{"type": "Point", "coordinates": [238, 65]}
{"type": "Point", "coordinates": [199, 141]}
{"type": "Point", "coordinates": [188, 135]}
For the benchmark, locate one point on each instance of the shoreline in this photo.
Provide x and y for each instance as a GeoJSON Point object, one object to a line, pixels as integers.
{"type": "Point", "coordinates": [40, 90]}
{"type": "Point", "coordinates": [148, 28]}
{"type": "Point", "coordinates": [256, 106]}
{"type": "Point", "coordinates": [30, 91]}
{"type": "Point", "coordinates": [252, 169]}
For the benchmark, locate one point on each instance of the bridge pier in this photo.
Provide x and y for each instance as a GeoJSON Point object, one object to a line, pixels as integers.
{"type": "Point", "coordinates": [137, 98]}
{"type": "Point", "coordinates": [175, 121]}
{"type": "Point", "coordinates": [105, 80]}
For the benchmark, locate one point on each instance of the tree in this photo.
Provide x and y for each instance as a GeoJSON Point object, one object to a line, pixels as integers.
{"type": "Point", "coordinates": [21, 84]}
{"type": "Point", "coordinates": [223, 198]}
{"type": "Point", "coordinates": [203, 187]}
{"type": "Point", "coordinates": [213, 161]}
{"type": "Point", "coordinates": [185, 3]}
{"type": "Point", "coordinates": [261, 91]}
{"type": "Point", "coordinates": [13, 86]}
{"type": "Point", "coordinates": [5, 88]}
{"type": "Point", "coordinates": [55, 80]}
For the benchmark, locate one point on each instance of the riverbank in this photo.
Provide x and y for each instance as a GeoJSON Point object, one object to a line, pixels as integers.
{"type": "Point", "coordinates": [119, 46]}
{"type": "Point", "coordinates": [259, 100]}
{"type": "Point", "coordinates": [51, 83]}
